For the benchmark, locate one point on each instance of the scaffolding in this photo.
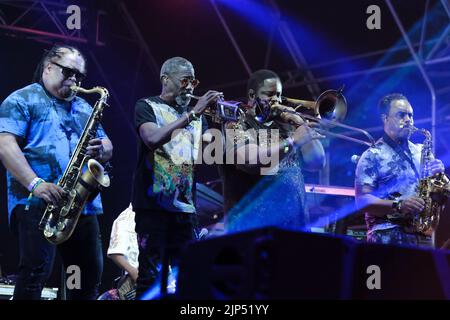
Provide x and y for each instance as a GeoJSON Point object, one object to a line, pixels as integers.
{"type": "Point", "coordinates": [43, 20]}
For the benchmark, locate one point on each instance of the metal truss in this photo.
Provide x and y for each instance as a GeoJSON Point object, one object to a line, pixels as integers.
{"type": "Point", "coordinates": [44, 20]}
{"type": "Point", "coordinates": [436, 56]}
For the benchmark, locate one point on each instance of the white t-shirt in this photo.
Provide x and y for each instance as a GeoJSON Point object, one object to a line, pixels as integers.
{"type": "Point", "coordinates": [124, 238]}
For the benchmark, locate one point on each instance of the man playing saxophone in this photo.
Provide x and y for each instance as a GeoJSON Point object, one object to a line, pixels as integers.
{"type": "Point", "coordinates": [387, 176]}
{"type": "Point", "coordinates": [40, 126]}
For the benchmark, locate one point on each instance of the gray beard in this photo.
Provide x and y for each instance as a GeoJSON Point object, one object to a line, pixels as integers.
{"type": "Point", "coordinates": [68, 95]}
{"type": "Point", "coordinates": [182, 101]}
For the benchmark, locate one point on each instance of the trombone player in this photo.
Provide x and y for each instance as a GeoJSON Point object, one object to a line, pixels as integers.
{"type": "Point", "coordinates": [254, 200]}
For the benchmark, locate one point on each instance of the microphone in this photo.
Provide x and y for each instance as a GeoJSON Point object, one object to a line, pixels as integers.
{"type": "Point", "coordinates": [203, 233]}
{"type": "Point", "coordinates": [355, 158]}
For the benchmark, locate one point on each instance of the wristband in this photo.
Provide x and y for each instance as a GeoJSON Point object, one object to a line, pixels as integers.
{"type": "Point", "coordinates": [33, 183]}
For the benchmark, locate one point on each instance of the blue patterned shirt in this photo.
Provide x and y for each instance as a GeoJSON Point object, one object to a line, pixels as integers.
{"type": "Point", "coordinates": [381, 168]}
{"type": "Point", "coordinates": [49, 129]}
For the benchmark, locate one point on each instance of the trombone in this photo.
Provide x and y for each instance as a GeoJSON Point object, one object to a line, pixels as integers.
{"type": "Point", "coordinates": [328, 110]}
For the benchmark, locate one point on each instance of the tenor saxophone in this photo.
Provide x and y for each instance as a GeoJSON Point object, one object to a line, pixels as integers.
{"type": "Point", "coordinates": [59, 220]}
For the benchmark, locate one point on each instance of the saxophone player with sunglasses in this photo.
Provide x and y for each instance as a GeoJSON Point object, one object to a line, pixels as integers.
{"type": "Point", "coordinates": [390, 177]}
{"type": "Point", "coordinates": [40, 126]}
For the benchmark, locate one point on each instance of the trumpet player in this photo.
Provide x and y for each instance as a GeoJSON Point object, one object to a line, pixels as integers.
{"type": "Point", "coordinates": [163, 185]}
{"type": "Point", "coordinates": [40, 126]}
{"type": "Point", "coordinates": [387, 176]}
{"type": "Point", "coordinates": [251, 198]}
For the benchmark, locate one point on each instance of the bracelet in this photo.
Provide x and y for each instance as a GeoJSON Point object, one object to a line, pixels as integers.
{"type": "Point", "coordinates": [36, 185]}
{"type": "Point", "coordinates": [33, 183]}
{"type": "Point", "coordinates": [291, 142]}
{"type": "Point", "coordinates": [286, 146]}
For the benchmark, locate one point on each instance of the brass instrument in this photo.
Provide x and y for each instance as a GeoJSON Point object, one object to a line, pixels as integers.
{"type": "Point", "coordinates": [222, 110]}
{"type": "Point", "coordinates": [433, 189]}
{"type": "Point", "coordinates": [59, 220]}
{"type": "Point", "coordinates": [328, 111]}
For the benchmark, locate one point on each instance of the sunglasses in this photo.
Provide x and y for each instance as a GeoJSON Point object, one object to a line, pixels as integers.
{"type": "Point", "coordinates": [69, 72]}
{"type": "Point", "coordinates": [185, 82]}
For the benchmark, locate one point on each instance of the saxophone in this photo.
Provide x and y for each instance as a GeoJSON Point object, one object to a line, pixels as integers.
{"type": "Point", "coordinates": [59, 220]}
{"type": "Point", "coordinates": [433, 189]}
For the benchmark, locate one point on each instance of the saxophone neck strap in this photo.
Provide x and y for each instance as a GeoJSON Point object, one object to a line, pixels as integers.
{"type": "Point", "coordinates": [402, 153]}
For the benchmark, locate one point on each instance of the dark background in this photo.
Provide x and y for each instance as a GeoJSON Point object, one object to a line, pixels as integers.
{"type": "Point", "coordinates": [326, 31]}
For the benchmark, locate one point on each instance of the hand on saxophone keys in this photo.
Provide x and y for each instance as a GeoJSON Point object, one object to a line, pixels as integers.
{"type": "Point", "coordinates": [412, 205]}
{"type": "Point", "coordinates": [49, 192]}
{"type": "Point", "coordinates": [435, 167]}
{"type": "Point", "coordinates": [95, 149]}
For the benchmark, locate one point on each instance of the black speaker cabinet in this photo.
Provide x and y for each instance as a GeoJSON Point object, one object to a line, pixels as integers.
{"type": "Point", "coordinates": [272, 263]}
{"type": "Point", "coordinates": [268, 263]}
{"type": "Point", "coordinates": [405, 272]}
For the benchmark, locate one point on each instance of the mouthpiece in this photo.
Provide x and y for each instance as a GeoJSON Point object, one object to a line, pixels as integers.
{"type": "Point", "coordinates": [411, 127]}
{"type": "Point", "coordinates": [192, 96]}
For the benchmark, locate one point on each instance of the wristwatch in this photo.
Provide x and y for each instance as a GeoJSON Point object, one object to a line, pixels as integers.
{"type": "Point", "coordinates": [397, 205]}
{"type": "Point", "coordinates": [192, 115]}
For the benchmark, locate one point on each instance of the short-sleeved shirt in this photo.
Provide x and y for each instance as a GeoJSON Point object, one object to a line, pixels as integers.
{"type": "Point", "coordinates": [49, 129]}
{"type": "Point", "coordinates": [124, 238]}
{"type": "Point", "coordinates": [252, 200]}
{"type": "Point", "coordinates": [164, 178]}
{"type": "Point", "coordinates": [390, 175]}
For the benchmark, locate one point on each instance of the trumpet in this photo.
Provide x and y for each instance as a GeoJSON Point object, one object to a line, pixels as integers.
{"type": "Point", "coordinates": [223, 110]}
{"type": "Point", "coordinates": [328, 111]}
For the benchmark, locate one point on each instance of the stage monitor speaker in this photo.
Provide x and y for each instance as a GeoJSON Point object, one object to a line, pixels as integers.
{"type": "Point", "coordinates": [267, 263]}
{"type": "Point", "coordinates": [272, 263]}
{"type": "Point", "coordinates": [405, 272]}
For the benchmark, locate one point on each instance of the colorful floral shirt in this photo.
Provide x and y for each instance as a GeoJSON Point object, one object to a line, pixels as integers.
{"type": "Point", "coordinates": [390, 175]}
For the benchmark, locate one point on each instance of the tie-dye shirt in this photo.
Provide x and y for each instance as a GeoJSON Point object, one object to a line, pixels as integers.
{"type": "Point", "coordinates": [164, 178]}
{"type": "Point", "coordinates": [381, 168]}
{"type": "Point", "coordinates": [49, 130]}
